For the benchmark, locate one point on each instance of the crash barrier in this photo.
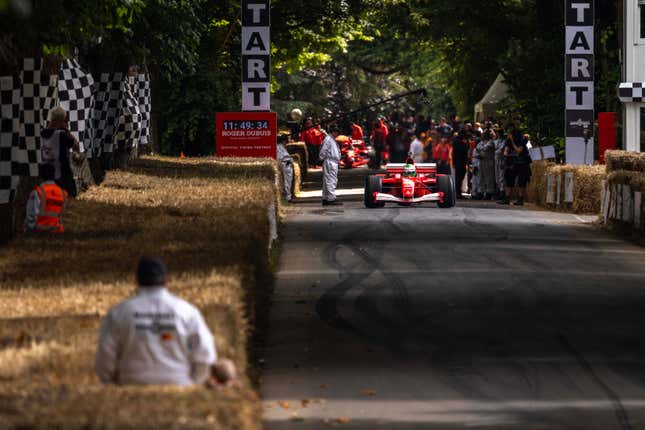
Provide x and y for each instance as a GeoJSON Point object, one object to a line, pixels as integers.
{"type": "Point", "coordinates": [622, 202]}
{"type": "Point", "coordinates": [300, 149]}
{"type": "Point", "coordinates": [567, 188]}
{"type": "Point", "coordinates": [209, 221]}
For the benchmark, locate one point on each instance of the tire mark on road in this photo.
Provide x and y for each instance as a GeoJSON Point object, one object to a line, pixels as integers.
{"type": "Point", "coordinates": [327, 305]}
{"type": "Point", "coordinates": [619, 408]}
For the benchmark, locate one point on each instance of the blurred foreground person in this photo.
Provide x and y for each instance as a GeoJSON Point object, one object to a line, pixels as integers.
{"type": "Point", "coordinates": [46, 204]}
{"type": "Point", "coordinates": [330, 156]}
{"type": "Point", "coordinates": [57, 144]}
{"type": "Point", "coordinates": [223, 374]}
{"type": "Point", "coordinates": [154, 337]}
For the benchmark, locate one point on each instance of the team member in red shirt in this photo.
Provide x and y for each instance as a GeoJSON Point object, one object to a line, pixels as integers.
{"type": "Point", "coordinates": [379, 141]}
{"type": "Point", "coordinates": [441, 155]}
{"type": "Point", "coordinates": [313, 138]}
{"type": "Point", "coordinates": [357, 131]}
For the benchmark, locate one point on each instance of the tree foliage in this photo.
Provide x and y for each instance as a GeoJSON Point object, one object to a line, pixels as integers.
{"type": "Point", "coordinates": [328, 56]}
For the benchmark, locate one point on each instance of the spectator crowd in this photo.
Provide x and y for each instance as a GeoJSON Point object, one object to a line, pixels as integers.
{"type": "Point", "coordinates": [488, 161]}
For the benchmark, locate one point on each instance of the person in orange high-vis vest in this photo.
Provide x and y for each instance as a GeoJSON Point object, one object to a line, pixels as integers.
{"type": "Point", "coordinates": [46, 204]}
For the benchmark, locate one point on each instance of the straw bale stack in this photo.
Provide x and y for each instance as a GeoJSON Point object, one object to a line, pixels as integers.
{"type": "Point", "coordinates": [624, 160]}
{"type": "Point", "coordinates": [213, 232]}
{"type": "Point", "coordinates": [536, 190]}
{"type": "Point", "coordinates": [300, 149]}
{"type": "Point", "coordinates": [586, 191]}
{"type": "Point", "coordinates": [297, 174]}
{"type": "Point", "coordinates": [623, 207]}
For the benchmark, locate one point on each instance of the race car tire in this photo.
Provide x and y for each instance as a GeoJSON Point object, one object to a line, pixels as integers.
{"type": "Point", "coordinates": [373, 184]}
{"type": "Point", "coordinates": [447, 186]}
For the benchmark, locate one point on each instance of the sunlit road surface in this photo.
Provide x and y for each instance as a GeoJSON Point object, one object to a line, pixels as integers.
{"type": "Point", "coordinates": [474, 317]}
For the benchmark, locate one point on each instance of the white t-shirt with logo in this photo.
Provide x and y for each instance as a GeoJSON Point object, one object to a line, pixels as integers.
{"type": "Point", "coordinates": [154, 338]}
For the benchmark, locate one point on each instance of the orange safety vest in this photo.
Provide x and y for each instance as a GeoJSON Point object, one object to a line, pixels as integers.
{"type": "Point", "coordinates": [52, 202]}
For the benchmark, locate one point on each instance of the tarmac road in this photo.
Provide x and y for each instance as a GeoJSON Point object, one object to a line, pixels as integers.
{"type": "Point", "coordinates": [474, 317]}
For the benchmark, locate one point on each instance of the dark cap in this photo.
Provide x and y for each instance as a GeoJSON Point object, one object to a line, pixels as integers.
{"type": "Point", "coordinates": [151, 272]}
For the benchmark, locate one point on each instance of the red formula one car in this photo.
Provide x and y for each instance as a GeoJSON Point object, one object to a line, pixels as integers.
{"type": "Point", "coordinates": [409, 184]}
{"type": "Point", "coordinates": [353, 153]}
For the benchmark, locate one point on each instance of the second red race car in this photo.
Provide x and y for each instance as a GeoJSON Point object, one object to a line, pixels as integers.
{"type": "Point", "coordinates": [353, 153]}
{"type": "Point", "coordinates": [409, 184]}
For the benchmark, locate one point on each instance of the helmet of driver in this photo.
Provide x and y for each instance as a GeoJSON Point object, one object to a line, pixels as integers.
{"type": "Point", "coordinates": [410, 170]}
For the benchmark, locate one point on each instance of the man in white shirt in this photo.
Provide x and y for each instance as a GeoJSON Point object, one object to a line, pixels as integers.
{"type": "Point", "coordinates": [330, 156]}
{"type": "Point", "coordinates": [416, 150]}
{"type": "Point", "coordinates": [154, 337]}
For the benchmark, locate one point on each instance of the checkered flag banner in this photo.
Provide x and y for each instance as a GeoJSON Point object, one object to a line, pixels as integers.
{"type": "Point", "coordinates": [49, 96]}
{"type": "Point", "coordinates": [631, 92]}
{"type": "Point", "coordinates": [129, 129]}
{"type": "Point", "coordinates": [75, 95]}
{"type": "Point", "coordinates": [27, 154]}
{"type": "Point", "coordinates": [106, 112]}
{"type": "Point", "coordinates": [9, 114]}
{"type": "Point", "coordinates": [145, 106]}
{"type": "Point", "coordinates": [25, 101]}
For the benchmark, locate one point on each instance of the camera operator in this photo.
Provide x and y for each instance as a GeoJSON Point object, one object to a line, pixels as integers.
{"type": "Point", "coordinates": [517, 168]}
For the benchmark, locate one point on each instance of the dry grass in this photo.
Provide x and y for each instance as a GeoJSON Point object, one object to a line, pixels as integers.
{"type": "Point", "coordinates": [624, 160]}
{"type": "Point", "coordinates": [211, 229]}
{"type": "Point", "coordinates": [586, 186]}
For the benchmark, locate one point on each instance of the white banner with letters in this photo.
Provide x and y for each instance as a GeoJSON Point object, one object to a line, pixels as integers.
{"type": "Point", "coordinates": [579, 77]}
{"type": "Point", "coordinates": [256, 55]}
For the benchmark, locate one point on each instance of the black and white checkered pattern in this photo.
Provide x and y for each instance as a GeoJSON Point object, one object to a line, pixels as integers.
{"type": "Point", "coordinates": [106, 112]}
{"type": "Point", "coordinates": [27, 154]}
{"type": "Point", "coordinates": [49, 97]}
{"type": "Point", "coordinates": [9, 114]}
{"type": "Point", "coordinates": [24, 101]}
{"type": "Point", "coordinates": [114, 111]}
{"type": "Point", "coordinates": [145, 106]}
{"type": "Point", "coordinates": [129, 130]}
{"type": "Point", "coordinates": [75, 95]}
{"type": "Point", "coordinates": [631, 92]}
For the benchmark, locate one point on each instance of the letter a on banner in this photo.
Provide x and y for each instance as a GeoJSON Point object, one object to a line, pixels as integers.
{"type": "Point", "coordinates": [256, 55]}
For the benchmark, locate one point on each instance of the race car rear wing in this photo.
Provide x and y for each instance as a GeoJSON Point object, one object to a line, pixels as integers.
{"type": "Point", "coordinates": [421, 168]}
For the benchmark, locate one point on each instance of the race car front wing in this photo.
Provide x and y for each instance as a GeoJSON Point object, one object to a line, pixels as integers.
{"type": "Point", "coordinates": [381, 197]}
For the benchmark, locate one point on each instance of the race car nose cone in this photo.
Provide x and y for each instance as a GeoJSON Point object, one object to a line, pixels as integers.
{"type": "Point", "coordinates": [407, 188]}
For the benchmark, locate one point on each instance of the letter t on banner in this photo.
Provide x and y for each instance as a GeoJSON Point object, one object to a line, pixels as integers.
{"type": "Point", "coordinates": [579, 77]}
{"type": "Point", "coordinates": [256, 55]}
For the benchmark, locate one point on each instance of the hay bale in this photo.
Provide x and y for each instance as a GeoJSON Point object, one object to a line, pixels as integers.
{"type": "Point", "coordinates": [213, 233]}
{"type": "Point", "coordinates": [623, 160]}
{"type": "Point", "coordinates": [297, 176]}
{"type": "Point", "coordinates": [536, 190]}
{"type": "Point", "coordinates": [300, 148]}
{"type": "Point", "coordinates": [636, 180]}
{"type": "Point", "coordinates": [586, 186]}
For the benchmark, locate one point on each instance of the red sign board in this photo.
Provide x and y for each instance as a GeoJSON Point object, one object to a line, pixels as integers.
{"type": "Point", "coordinates": [246, 134]}
{"type": "Point", "coordinates": [606, 133]}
